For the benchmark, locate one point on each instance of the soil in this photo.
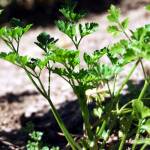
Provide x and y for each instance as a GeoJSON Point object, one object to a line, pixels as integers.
{"type": "Point", "coordinates": [21, 103]}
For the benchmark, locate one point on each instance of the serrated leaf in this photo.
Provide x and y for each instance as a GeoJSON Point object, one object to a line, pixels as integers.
{"type": "Point", "coordinates": [87, 58]}
{"type": "Point", "coordinates": [64, 56]}
{"type": "Point", "coordinates": [63, 72]}
{"type": "Point", "coordinates": [99, 53]}
{"type": "Point", "coordinates": [27, 28]}
{"type": "Point", "coordinates": [114, 30]}
{"type": "Point", "coordinates": [106, 72]}
{"type": "Point", "coordinates": [11, 57]}
{"type": "Point", "coordinates": [70, 14]}
{"type": "Point", "coordinates": [42, 63]}
{"type": "Point", "coordinates": [13, 34]}
{"type": "Point", "coordinates": [45, 41]}
{"type": "Point", "coordinates": [87, 28]}
{"type": "Point", "coordinates": [44, 38]}
{"type": "Point", "coordinates": [118, 48]}
{"type": "Point", "coordinates": [67, 28]}
{"type": "Point", "coordinates": [94, 58]}
{"type": "Point", "coordinates": [139, 34]}
{"type": "Point", "coordinates": [23, 60]}
{"type": "Point", "coordinates": [113, 14]}
{"type": "Point", "coordinates": [125, 23]}
{"type": "Point", "coordinates": [14, 58]}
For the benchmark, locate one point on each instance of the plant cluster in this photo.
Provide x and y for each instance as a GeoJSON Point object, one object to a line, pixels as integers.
{"type": "Point", "coordinates": [91, 83]}
{"type": "Point", "coordinates": [35, 142]}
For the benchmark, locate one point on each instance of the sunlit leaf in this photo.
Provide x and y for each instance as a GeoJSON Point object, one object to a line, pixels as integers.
{"type": "Point", "coordinates": [114, 30]}
{"type": "Point", "coordinates": [67, 28]}
{"type": "Point", "coordinates": [113, 14]}
{"type": "Point", "coordinates": [125, 23]}
{"type": "Point", "coordinates": [87, 28]}
{"type": "Point", "coordinates": [140, 111]}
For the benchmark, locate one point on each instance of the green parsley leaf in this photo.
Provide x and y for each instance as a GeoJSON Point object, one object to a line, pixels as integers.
{"type": "Point", "coordinates": [113, 14]}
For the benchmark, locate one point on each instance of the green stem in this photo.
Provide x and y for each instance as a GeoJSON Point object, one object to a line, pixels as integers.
{"type": "Point", "coordinates": [69, 138]}
{"type": "Point", "coordinates": [117, 95]}
{"type": "Point", "coordinates": [18, 44]}
{"type": "Point", "coordinates": [114, 85]}
{"type": "Point", "coordinates": [41, 84]}
{"type": "Point", "coordinates": [108, 134]}
{"type": "Point", "coordinates": [123, 140]}
{"type": "Point", "coordinates": [144, 146]}
{"type": "Point", "coordinates": [124, 106]}
{"type": "Point", "coordinates": [82, 101]}
{"type": "Point", "coordinates": [103, 127]}
{"type": "Point", "coordinates": [126, 80]}
{"type": "Point", "coordinates": [146, 84]}
{"type": "Point", "coordinates": [85, 114]}
{"type": "Point", "coordinates": [110, 93]}
{"type": "Point", "coordinates": [34, 83]}
{"type": "Point", "coordinates": [137, 134]}
{"type": "Point", "coordinates": [49, 79]}
{"type": "Point", "coordinates": [120, 25]}
{"type": "Point", "coordinates": [144, 72]}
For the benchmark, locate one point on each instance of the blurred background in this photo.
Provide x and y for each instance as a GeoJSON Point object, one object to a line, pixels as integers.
{"type": "Point", "coordinates": [19, 101]}
{"type": "Point", "coordinates": [34, 10]}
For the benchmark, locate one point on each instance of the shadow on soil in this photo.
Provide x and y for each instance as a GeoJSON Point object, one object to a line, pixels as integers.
{"type": "Point", "coordinates": [46, 123]}
{"type": "Point", "coordinates": [11, 97]}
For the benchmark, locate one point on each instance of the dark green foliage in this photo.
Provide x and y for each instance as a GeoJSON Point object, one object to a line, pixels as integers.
{"type": "Point", "coordinates": [45, 41]}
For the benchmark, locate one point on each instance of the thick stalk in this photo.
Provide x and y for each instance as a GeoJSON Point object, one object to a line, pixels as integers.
{"type": "Point", "coordinates": [85, 114]}
{"type": "Point", "coordinates": [83, 101]}
{"type": "Point", "coordinates": [69, 138]}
